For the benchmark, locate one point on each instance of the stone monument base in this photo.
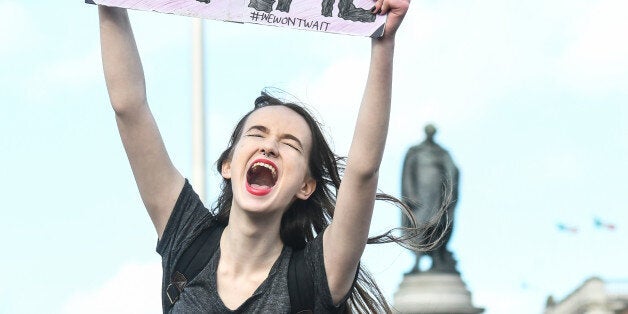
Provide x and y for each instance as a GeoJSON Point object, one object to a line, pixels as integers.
{"type": "Point", "coordinates": [434, 293]}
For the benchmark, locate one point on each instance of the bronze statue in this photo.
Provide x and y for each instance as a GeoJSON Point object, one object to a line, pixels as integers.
{"type": "Point", "coordinates": [429, 186]}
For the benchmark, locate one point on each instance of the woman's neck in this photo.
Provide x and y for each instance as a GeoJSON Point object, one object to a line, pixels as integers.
{"type": "Point", "coordinates": [250, 244]}
{"type": "Point", "coordinates": [249, 247]}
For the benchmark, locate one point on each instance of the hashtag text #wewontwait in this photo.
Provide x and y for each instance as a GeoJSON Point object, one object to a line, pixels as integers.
{"type": "Point", "coordinates": [289, 21]}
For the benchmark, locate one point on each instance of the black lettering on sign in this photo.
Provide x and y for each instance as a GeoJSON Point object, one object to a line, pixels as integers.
{"type": "Point", "coordinates": [346, 9]}
{"type": "Point", "coordinates": [284, 5]}
{"type": "Point", "coordinates": [262, 5]}
{"type": "Point", "coordinates": [289, 21]}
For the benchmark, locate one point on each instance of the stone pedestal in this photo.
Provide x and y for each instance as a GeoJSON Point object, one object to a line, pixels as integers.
{"type": "Point", "coordinates": [434, 293]}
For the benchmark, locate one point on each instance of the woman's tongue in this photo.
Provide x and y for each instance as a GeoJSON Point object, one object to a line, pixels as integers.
{"type": "Point", "coordinates": [260, 178]}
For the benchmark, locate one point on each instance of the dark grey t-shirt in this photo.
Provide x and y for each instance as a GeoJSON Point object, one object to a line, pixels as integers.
{"type": "Point", "coordinates": [200, 295]}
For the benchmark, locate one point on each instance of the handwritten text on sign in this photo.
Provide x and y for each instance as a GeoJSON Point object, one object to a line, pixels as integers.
{"type": "Point", "coordinates": [344, 17]}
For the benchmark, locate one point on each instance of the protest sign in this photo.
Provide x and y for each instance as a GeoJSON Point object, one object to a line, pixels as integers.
{"type": "Point", "coordinates": [351, 17]}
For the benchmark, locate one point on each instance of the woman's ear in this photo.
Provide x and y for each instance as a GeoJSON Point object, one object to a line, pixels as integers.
{"type": "Point", "coordinates": [308, 187]}
{"type": "Point", "coordinates": [225, 169]}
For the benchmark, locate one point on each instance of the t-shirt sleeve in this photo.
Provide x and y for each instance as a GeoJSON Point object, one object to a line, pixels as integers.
{"type": "Point", "coordinates": [316, 264]}
{"type": "Point", "coordinates": [188, 216]}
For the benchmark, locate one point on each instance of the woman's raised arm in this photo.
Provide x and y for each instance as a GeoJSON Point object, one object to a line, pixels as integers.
{"type": "Point", "coordinates": [346, 236]}
{"type": "Point", "coordinates": [157, 179]}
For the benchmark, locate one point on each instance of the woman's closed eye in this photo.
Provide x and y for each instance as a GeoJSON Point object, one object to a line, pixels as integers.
{"type": "Point", "coordinates": [254, 135]}
{"type": "Point", "coordinates": [293, 145]}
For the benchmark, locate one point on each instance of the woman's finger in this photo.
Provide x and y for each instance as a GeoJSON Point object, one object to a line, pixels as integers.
{"type": "Point", "coordinates": [385, 7]}
{"type": "Point", "coordinates": [377, 7]}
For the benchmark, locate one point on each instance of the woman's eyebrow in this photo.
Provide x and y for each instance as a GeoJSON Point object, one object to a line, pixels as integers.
{"type": "Point", "coordinates": [260, 128]}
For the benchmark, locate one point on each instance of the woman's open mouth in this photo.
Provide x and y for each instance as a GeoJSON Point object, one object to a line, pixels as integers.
{"type": "Point", "coordinates": [261, 177]}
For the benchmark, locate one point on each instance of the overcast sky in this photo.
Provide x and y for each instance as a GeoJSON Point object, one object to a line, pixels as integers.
{"type": "Point", "coordinates": [529, 97]}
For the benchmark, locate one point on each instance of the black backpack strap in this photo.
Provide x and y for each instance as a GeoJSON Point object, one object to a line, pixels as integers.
{"type": "Point", "coordinates": [300, 284]}
{"type": "Point", "coordinates": [191, 262]}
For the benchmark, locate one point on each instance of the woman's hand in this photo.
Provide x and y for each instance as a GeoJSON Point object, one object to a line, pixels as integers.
{"type": "Point", "coordinates": [396, 10]}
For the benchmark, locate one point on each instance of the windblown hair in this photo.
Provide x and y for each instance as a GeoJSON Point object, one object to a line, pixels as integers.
{"type": "Point", "coordinates": [304, 219]}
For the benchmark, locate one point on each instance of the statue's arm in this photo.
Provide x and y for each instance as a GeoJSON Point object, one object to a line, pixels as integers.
{"type": "Point", "coordinates": [407, 184]}
{"type": "Point", "coordinates": [408, 176]}
{"type": "Point", "coordinates": [456, 181]}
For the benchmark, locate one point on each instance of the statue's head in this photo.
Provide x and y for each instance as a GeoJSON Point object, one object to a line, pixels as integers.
{"type": "Point", "coordinates": [430, 130]}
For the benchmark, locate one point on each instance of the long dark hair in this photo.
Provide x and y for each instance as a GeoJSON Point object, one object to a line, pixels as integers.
{"type": "Point", "coordinates": [304, 219]}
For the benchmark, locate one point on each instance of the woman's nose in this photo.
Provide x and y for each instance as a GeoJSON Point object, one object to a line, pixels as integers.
{"type": "Point", "coordinates": [269, 149]}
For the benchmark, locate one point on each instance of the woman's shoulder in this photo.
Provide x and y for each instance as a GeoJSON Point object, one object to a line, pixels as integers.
{"type": "Point", "coordinates": [188, 217]}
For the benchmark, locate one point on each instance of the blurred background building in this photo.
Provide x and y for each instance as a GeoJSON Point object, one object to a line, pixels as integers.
{"type": "Point", "coordinates": [594, 296]}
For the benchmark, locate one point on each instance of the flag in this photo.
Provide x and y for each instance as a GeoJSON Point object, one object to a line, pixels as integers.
{"type": "Point", "coordinates": [603, 225]}
{"type": "Point", "coordinates": [563, 227]}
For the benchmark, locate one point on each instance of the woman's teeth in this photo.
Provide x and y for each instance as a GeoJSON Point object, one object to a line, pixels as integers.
{"type": "Point", "coordinates": [267, 166]}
